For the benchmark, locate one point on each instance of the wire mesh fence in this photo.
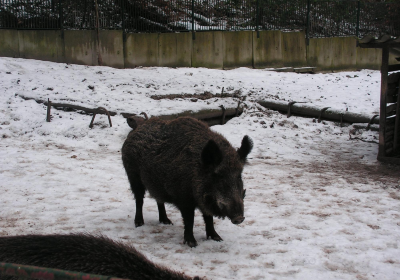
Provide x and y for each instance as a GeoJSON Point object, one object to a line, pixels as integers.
{"type": "Point", "coordinates": [342, 18]}
{"type": "Point", "coordinates": [319, 18]}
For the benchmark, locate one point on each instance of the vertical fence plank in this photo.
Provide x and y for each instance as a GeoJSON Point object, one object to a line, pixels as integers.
{"type": "Point", "coordinates": [193, 34]}
{"type": "Point", "coordinates": [308, 22]}
{"type": "Point", "coordinates": [358, 19]}
{"type": "Point", "coordinates": [258, 18]}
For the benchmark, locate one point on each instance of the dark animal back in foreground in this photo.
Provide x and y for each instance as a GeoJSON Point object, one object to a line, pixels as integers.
{"type": "Point", "coordinates": [82, 253]}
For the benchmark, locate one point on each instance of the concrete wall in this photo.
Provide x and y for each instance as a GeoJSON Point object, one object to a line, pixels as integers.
{"type": "Point", "coordinates": [111, 48]}
{"type": "Point", "coordinates": [267, 49]}
{"type": "Point", "coordinates": [9, 43]}
{"type": "Point", "coordinates": [208, 50]}
{"type": "Point", "coordinates": [141, 49]}
{"type": "Point", "coordinates": [294, 51]}
{"type": "Point", "coordinates": [80, 47]}
{"type": "Point", "coordinates": [221, 50]}
{"type": "Point", "coordinates": [41, 44]}
{"type": "Point", "coordinates": [238, 49]}
{"type": "Point", "coordinates": [175, 49]}
{"type": "Point", "coordinates": [333, 53]}
{"type": "Point", "coordinates": [369, 58]}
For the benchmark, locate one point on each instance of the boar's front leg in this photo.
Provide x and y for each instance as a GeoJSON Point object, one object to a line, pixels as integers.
{"type": "Point", "coordinates": [162, 214]}
{"type": "Point", "coordinates": [210, 231]}
{"type": "Point", "coordinates": [188, 220]}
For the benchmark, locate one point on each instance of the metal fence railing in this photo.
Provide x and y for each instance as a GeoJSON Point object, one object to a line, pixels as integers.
{"type": "Point", "coordinates": [319, 18]}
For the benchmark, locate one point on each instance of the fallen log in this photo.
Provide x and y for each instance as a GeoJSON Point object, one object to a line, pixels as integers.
{"type": "Point", "coordinates": [211, 116]}
{"type": "Point", "coordinates": [325, 113]}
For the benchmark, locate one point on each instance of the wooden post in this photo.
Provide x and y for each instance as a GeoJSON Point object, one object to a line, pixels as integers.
{"type": "Point", "coordinates": [48, 118]}
{"type": "Point", "coordinates": [257, 18]}
{"type": "Point", "coordinates": [384, 87]}
{"type": "Point", "coordinates": [396, 143]}
{"type": "Point", "coordinates": [308, 23]}
{"type": "Point", "coordinates": [193, 34]}
{"type": "Point", "coordinates": [99, 58]}
{"type": "Point", "coordinates": [358, 19]}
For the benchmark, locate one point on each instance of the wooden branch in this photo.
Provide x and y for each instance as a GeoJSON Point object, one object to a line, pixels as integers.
{"type": "Point", "coordinates": [71, 106]}
{"type": "Point", "coordinates": [81, 108]}
{"type": "Point", "coordinates": [367, 141]}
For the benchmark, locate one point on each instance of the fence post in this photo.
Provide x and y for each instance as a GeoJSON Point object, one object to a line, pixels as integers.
{"type": "Point", "coordinates": [193, 35]}
{"type": "Point", "coordinates": [257, 18]}
{"type": "Point", "coordinates": [99, 57]}
{"type": "Point", "coordinates": [123, 20]}
{"type": "Point", "coordinates": [308, 22]}
{"type": "Point", "coordinates": [358, 18]}
{"type": "Point", "coordinates": [61, 16]}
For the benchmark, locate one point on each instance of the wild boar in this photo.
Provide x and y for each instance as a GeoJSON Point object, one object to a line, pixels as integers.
{"type": "Point", "coordinates": [82, 253]}
{"type": "Point", "coordinates": [184, 163]}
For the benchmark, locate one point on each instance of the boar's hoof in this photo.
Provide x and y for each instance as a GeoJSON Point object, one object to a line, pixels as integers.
{"type": "Point", "coordinates": [166, 221]}
{"type": "Point", "coordinates": [190, 241]}
{"type": "Point", "coordinates": [139, 223]}
{"type": "Point", "coordinates": [237, 220]}
{"type": "Point", "coordinates": [214, 236]}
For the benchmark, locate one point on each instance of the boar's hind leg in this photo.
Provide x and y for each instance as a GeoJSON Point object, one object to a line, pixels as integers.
{"type": "Point", "coordinates": [188, 220]}
{"type": "Point", "coordinates": [162, 215]}
{"type": "Point", "coordinates": [210, 231]}
{"type": "Point", "coordinates": [138, 190]}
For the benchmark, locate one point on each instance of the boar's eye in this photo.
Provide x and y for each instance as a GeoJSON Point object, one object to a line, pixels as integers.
{"type": "Point", "coordinates": [244, 193]}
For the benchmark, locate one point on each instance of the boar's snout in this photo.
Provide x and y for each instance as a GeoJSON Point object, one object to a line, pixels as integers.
{"type": "Point", "coordinates": [237, 220]}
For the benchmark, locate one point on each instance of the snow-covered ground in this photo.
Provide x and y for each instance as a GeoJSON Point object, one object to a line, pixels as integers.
{"type": "Point", "coordinates": [318, 204]}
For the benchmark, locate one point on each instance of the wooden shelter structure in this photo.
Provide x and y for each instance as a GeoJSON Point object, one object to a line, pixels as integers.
{"type": "Point", "coordinates": [389, 120]}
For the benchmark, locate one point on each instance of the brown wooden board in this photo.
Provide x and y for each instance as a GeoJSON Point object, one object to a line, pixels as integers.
{"type": "Point", "coordinates": [391, 95]}
{"type": "Point", "coordinates": [394, 67]}
{"type": "Point", "coordinates": [391, 110]}
{"type": "Point", "coordinates": [393, 78]}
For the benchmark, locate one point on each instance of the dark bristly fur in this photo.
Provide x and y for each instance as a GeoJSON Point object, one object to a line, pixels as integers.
{"type": "Point", "coordinates": [184, 163]}
{"type": "Point", "coordinates": [82, 253]}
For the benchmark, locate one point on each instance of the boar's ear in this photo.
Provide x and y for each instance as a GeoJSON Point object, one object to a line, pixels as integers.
{"type": "Point", "coordinates": [245, 149]}
{"type": "Point", "coordinates": [211, 154]}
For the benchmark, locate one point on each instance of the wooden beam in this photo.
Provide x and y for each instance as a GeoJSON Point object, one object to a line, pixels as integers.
{"type": "Point", "coordinates": [393, 78]}
{"type": "Point", "coordinates": [391, 109]}
{"type": "Point", "coordinates": [391, 94]}
{"type": "Point", "coordinates": [297, 108]}
{"type": "Point", "coordinates": [396, 144]}
{"type": "Point", "coordinates": [394, 67]}
{"type": "Point", "coordinates": [391, 160]}
{"type": "Point", "coordinates": [391, 44]}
